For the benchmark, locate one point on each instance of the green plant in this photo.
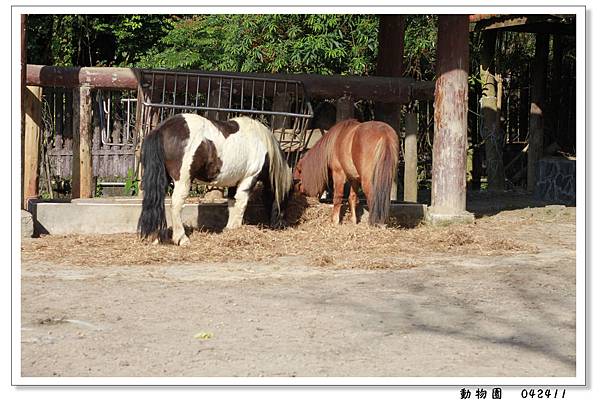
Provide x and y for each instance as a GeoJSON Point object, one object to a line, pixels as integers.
{"type": "Point", "coordinates": [132, 183]}
{"type": "Point", "coordinates": [98, 190]}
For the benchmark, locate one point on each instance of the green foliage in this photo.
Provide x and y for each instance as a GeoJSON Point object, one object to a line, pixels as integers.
{"type": "Point", "coordinates": [98, 190]}
{"type": "Point", "coordinates": [420, 39]}
{"type": "Point", "coordinates": [292, 43]}
{"type": "Point", "coordinates": [132, 183]}
{"type": "Point", "coordinates": [92, 40]}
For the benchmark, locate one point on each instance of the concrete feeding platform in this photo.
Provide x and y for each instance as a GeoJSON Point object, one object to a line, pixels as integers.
{"type": "Point", "coordinates": [120, 215]}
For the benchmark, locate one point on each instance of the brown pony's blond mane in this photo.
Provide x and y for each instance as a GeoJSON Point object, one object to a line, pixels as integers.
{"type": "Point", "coordinates": [315, 163]}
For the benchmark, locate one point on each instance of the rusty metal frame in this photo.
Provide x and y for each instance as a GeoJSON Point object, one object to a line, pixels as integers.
{"type": "Point", "coordinates": [281, 104]}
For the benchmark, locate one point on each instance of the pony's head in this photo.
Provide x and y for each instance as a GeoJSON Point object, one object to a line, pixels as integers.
{"type": "Point", "coordinates": [309, 177]}
{"type": "Point", "coordinates": [297, 178]}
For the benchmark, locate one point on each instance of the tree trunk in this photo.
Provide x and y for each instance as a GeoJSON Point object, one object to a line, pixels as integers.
{"type": "Point", "coordinates": [491, 132]}
{"type": "Point", "coordinates": [556, 88]}
{"type": "Point", "coordinates": [536, 117]}
{"type": "Point", "coordinates": [449, 186]}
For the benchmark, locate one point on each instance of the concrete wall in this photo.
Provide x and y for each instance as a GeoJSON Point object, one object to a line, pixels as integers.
{"type": "Point", "coordinates": [120, 215]}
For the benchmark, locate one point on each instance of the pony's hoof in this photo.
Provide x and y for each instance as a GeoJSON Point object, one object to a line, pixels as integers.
{"type": "Point", "coordinates": [183, 241]}
{"type": "Point", "coordinates": [278, 225]}
{"type": "Point", "coordinates": [155, 242]}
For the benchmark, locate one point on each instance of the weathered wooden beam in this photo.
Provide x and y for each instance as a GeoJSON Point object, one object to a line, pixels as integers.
{"type": "Point", "coordinates": [550, 24]}
{"type": "Point", "coordinates": [449, 186]}
{"type": "Point", "coordinates": [31, 142]}
{"type": "Point", "coordinates": [82, 143]}
{"type": "Point", "coordinates": [536, 111]}
{"type": "Point", "coordinates": [491, 132]}
{"type": "Point", "coordinates": [73, 77]}
{"type": "Point", "coordinates": [384, 89]}
{"type": "Point", "coordinates": [410, 158]}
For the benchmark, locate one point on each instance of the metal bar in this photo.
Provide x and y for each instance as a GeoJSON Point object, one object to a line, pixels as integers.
{"type": "Point", "coordinates": [242, 94]}
{"type": "Point", "coordinates": [229, 110]}
{"type": "Point", "coordinates": [263, 95]}
{"type": "Point", "coordinates": [207, 93]}
{"type": "Point", "coordinates": [163, 94]}
{"type": "Point", "coordinates": [198, 89]}
{"type": "Point", "coordinates": [230, 92]}
{"type": "Point", "coordinates": [187, 81]}
{"type": "Point", "coordinates": [252, 99]}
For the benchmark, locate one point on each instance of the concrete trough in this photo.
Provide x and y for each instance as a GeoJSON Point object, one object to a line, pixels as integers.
{"type": "Point", "coordinates": [120, 215]}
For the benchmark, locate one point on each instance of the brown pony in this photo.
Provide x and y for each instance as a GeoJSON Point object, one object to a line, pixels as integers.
{"type": "Point", "coordinates": [365, 154]}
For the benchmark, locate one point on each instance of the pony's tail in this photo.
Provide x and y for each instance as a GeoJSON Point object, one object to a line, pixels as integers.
{"type": "Point", "coordinates": [280, 173]}
{"type": "Point", "coordinates": [384, 173]}
{"type": "Point", "coordinates": [154, 180]}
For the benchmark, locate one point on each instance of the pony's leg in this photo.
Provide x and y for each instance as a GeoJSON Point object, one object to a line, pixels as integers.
{"type": "Point", "coordinates": [237, 206]}
{"type": "Point", "coordinates": [180, 192]}
{"type": "Point", "coordinates": [368, 191]}
{"type": "Point", "coordinates": [339, 180]}
{"type": "Point", "coordinates": [353, 200]}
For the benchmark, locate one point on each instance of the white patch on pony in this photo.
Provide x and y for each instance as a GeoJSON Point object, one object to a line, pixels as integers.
{"type": "Point", "coordinates": [197, 126]}
{"type": "Point", "coordinates": [242, 153]}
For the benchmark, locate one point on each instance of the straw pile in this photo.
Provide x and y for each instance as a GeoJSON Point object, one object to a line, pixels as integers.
{"type": "Point", "coordinates": [310, 235]}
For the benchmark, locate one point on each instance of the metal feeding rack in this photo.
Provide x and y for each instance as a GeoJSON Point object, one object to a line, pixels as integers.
{"type": "Point", "coordinates": [280, 104]}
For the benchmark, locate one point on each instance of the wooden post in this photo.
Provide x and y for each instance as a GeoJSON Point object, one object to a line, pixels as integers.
{"type": "Point", "coordinates": [31, 142]}
{"type": "Point", "coordinates": [390, 63]}
{"type": "Point", "coordinates": [449, 183]}
{"type": "Point", "coordinates": [344, 108]}
{"type": "Point", "coordinates": [556, 89]}
{"type": "Point", "coordinates": [536, 117]}
{"type": "Point", "coordinates": [23, 91]}
{"type": "Point", "coordinates": [491, 132]}
{"type": "Point", "coordinates": [82, 143]}
{"type": "Point", "coordinates": [410, 158]}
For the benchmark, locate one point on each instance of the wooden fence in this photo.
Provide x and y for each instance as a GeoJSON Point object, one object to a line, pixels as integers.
{"type": "Point", "coordinates": [113, 122]}
{"type": "Point", "coordinates": [75, 138]}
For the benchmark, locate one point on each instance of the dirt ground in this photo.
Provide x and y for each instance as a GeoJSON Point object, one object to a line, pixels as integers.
{"type": "Point", "coordinates": [496, 298]}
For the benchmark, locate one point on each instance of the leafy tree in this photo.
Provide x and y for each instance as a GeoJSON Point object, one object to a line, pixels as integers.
{"type": "Point", "coordinates": [420, 38]}
{"type": "Point", "coordinates": [291, 43]}
{"type": "Point", "coordinates": [92, 40]}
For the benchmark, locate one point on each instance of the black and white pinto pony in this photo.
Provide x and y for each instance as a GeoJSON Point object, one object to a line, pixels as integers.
{"type": "Point", "coordinates": [233, 153]}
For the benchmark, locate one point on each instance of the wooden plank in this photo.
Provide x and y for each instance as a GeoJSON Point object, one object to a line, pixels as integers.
{"type": "Point", "coordinates": [448, 193]}
{"type": "Point", "coordinates": [82, 143]}
{"type": "Point", "coordinates": [410, 158]}
{"type": "Point", "coordinates": [31, 142]}
{"type": "Point", "coordinates": [536, 110]}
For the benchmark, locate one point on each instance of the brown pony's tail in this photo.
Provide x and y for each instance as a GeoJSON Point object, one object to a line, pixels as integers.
{"type": "Point", "coordinates": [384, 173]}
